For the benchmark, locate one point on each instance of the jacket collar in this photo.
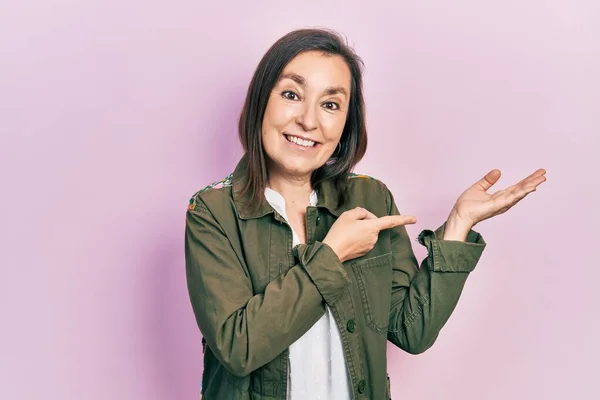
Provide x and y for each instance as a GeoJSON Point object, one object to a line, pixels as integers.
{"type": "Point", "coordinates": [326, 193]}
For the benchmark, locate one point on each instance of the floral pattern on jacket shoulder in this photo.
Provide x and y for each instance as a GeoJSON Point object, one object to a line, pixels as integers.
{"type": "Point", "coordinates": [223, 183]}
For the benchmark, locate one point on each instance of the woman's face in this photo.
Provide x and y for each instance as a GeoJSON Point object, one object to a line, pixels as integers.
{"type": "Point", "coordinates": [306, 113]}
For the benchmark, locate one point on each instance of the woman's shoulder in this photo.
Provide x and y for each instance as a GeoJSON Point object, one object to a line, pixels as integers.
{"type": "Point", "coordinates": [359, 182]}
{"type": "Point", "coordinates": [217, 192]}
{"type": "Point", "coordinates": [368, 192]}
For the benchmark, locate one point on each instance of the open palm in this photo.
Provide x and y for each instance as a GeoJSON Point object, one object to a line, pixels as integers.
{"type": "Point", "coordinates": [475, 204]}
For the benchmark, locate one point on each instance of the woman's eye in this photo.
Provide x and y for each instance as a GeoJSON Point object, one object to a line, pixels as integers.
{"type": "Point", "coordinates": [330, 105]}
{"type": "Point", "coordinates": [290, 95]}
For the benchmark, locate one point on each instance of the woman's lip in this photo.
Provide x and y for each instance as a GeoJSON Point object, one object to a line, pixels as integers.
{"type": "Point", "coordinates": [299, 147]}
{"type": "Point", "coordinates": [301, 137]}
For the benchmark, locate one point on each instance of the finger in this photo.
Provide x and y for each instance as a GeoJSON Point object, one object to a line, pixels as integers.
{"type": "Point", "coordinates": [535, 182]}
{"type": "Point", "coordinates": [526, 186]}
{"type": "Point", "coordinates": [358, 213]}
{"type": "Point", "coordinates": [392, 221]}
{"type": "Point", "coordinates": [539, 172]}
{"type": "Point", "coordinates": [540, 179]}
{"type": "Point", "coordinates": [534, 177]}
{"type": "Point", "coordinates": [355, 213]}
{"type": "Point", "coordinates": [488, 180]}
{"type": "Point", "coordinates": [369, 215]}
{"type": "Point", "coordinates": [505, 199]}
{"type": "Point", "coordinates": [520, 195]}
{"type": "Point", "coordinates": [532, 187]}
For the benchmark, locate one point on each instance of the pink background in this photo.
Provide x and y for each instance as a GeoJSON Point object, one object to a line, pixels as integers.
{"type": "Point", "coordinates": [113, 113]}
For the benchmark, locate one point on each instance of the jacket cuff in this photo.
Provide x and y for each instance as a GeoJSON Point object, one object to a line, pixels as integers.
{"type": "Point", "coordinates": [451, 255]}
{"type": "Point", "coordinates": [324, 268]}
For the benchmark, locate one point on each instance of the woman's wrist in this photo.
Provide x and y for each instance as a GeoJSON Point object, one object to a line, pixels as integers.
{"type": "Point", "coordinates": [334, 249]}
{"type": "Point", "coordinates": [457, 228]}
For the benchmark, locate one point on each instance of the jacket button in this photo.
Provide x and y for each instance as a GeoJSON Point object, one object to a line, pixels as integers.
{"type": "Point", "coordinates": [350, 326]}
{"type": "Point", "coordinates": [362, 385]}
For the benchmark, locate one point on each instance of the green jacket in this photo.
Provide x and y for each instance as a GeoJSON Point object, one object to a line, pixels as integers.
{"type": "Point", "coordinates": [253, 295]}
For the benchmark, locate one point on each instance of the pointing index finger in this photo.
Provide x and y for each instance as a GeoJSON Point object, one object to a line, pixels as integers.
{"type": "Point", "coordinates": [392, 221]}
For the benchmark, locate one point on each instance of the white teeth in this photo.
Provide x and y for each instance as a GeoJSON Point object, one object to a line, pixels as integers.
{"type": "Point", "coordinates": [300, 142]}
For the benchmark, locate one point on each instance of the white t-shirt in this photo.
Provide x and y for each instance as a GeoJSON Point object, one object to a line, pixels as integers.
{"type": "Point", "coordinates": [317, 366]}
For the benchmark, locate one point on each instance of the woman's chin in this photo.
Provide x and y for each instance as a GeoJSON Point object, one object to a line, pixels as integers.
{"type": "Point", "coordinates": [298, 168]}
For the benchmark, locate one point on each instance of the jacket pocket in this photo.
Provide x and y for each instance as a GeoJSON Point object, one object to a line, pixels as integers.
{"type": "Point", "coordinates": [374, 280]}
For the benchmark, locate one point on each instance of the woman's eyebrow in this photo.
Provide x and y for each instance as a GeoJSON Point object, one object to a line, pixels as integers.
{"type": "Point", "coordinates": [331, 90]}
{"type": "Point", "coordinates": [295, 77]}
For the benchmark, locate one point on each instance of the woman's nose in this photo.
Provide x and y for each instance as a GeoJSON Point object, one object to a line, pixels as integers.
{"type": "Point", "coordinates": [307, 117]}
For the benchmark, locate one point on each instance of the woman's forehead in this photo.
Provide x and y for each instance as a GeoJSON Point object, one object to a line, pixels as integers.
{"type": "Point", "coordinates": [318, 70]}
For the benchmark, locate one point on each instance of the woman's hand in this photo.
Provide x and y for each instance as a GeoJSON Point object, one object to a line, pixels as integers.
{"type": "Point", "coordinates": [356, 231]}
{"type": "Point", "coordinates": [476, 205]}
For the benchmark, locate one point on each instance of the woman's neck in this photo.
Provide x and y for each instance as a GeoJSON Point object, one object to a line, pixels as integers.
{"type": "Point", "coordinates": [296, 191]}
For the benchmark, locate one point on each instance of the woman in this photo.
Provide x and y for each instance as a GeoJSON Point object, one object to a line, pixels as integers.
{"type": "Point", "coordinates": [298, 270]}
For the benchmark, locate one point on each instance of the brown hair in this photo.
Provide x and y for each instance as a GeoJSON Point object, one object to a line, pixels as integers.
{"type": "Point", "coordinates": [353, 142]}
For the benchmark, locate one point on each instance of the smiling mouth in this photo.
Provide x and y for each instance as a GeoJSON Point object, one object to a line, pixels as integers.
{"type": "Point", "coordinates": [300, 141]}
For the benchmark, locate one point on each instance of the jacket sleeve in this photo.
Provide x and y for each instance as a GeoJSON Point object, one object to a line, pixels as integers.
{"type": "Point", "coordinates": [423, 298]}
{"type": "Point", "coordinates": [246, 330]}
